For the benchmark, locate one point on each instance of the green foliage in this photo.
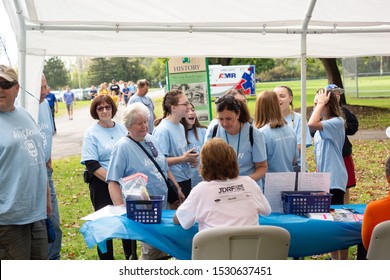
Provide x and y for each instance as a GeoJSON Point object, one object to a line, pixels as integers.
{"type": "Point", "coordinates": [97, 71]}
{"type": "Point", "coordinates": [118, 68]}
{"type": "Point", "coordinates": [290, 69]}
{"type": "Point", "coordinates": [55, 72]}
{"type": "Point", "coordinates": [156, 72]}
{"type": "Point", "coordinates": [261, 64]}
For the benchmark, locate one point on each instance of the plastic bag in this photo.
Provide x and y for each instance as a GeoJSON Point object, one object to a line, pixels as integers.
{"type": "Point", "coordinates": [134, 187]}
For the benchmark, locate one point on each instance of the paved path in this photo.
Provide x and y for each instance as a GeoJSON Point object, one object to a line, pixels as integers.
{"type": "Point", "coordinates": [68, 140]}
{"type": "Point", "coordinates": [69, 137]}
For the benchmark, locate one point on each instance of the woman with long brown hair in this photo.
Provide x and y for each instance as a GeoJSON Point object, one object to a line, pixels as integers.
{"type": "Point", "coordinates": [328, 144]}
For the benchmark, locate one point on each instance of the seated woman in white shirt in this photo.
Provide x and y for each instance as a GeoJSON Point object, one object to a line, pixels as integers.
{"type": "Point", "coordinates": [224, 198]}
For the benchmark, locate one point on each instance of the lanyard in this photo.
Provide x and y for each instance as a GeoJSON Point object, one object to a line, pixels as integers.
{"type": "Point", "coordinates": [238, 143]}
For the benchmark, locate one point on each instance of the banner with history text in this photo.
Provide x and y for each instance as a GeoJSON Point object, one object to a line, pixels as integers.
{"type": "Point", "coordinates": [190, 75]}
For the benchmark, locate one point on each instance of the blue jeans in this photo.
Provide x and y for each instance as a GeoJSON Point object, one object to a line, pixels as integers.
{"type": "Point", "coordinates": [55, 247]}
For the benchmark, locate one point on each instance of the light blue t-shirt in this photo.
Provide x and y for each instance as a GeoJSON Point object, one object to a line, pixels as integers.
{"type": "Point", "coordinates": [98, 143]}
{"type": "Point", "coordinates": [148, 102]}
{"type": "Point", "coordinates": [128, 158]}
{"type": "Point", "coordinates": [282, 149]}
{"type": "Point", "coordinates": [296, 126]}
{"type": "Point", "coordinates": [46, 126]}
{"type": "Point", "coordinates": [328, 146]}
{"type": "Point", "coordinates": [247, 155]}
{"type": "Point", "coordinates": [210, 128]}
{"type": "Point", "coordinates": [172, 140]}
{"type": "Point", "coordinates": [23, 177]}
{"type": "Point", "coordinates": [195, 176]}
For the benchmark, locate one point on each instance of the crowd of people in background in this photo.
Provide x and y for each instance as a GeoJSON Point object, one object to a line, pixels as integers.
{"type": "Point", "coordinates": [186, 162]}
{"type": "Point", "coordinates": [120, 91]}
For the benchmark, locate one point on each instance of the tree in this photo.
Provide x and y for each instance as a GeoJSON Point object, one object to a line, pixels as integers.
{"type": "Point", "coordinates": [261, 64]}
{"type": "Point", "coordinates": [97, 71]}
{"type": "Point", "coordinates": [118, 68]}
{"type": "Point", "coordinates": [55, 72]}
{"type": "Point", "coordinates": [157, 71]}
{"type": "Point", "coordinates": [333, 74]}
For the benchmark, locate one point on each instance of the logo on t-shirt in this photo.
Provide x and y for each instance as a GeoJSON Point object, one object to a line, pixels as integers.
{"type": "Point", "coordinates": [230, 189]}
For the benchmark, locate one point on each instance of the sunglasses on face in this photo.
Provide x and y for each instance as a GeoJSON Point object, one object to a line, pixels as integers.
{"type": "Point", "coordinates": [152, 148]}
{"type": "Point", "coordinates": [7, 84]}
{"type": "Point", "coordinates": [101, 108]}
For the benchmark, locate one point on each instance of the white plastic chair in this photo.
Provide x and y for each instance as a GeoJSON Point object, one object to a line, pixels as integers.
{"type": "Point", "coordinates": [379, 248]}
{"type": "Point", "coordinates": [241, 243]}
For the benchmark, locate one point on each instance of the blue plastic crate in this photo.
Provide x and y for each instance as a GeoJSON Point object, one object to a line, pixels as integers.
{"type": "Point", "coordinates": [302, 202]}
{"type": "Point", "coordinates": [145, 211]}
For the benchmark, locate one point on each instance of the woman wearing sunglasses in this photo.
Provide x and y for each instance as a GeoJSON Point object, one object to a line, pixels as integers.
{"type": "Point", "coordinates": [98, 143]}
{"type": "Point", "coordinates": [139, 152]}
{"type": "Point", "coordinates": [235, 129]}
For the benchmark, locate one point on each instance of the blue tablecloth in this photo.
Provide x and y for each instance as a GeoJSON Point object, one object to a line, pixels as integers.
{"type": "Point", "coordinates": [308, 236]}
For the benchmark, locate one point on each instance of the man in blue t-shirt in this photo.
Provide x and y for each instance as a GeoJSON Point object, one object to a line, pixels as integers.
{"type": "Point", "coordinates": [53, 103]}
{"type": "Point", "coordinates": [140, 96]}
{"type": "Point", "coordinates": [46, 127]}
{"type": "Point", "coordinates": [69, 98]}
{"type": "Point", "coordinates": [25, 194]}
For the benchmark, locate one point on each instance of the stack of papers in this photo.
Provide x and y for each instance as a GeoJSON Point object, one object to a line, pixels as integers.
{"type": "Point", "coordinates": [320, 216]}
{"type": "Point", "coordinates": [345, 215]}
{"type": "Point", "coordinates": [339, 215]}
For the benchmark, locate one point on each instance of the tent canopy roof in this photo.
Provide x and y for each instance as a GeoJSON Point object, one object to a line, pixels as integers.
{"type": "Point", "coordinates": [209, 28]}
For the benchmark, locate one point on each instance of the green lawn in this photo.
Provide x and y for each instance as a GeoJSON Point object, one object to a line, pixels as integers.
{"type": "Point", "coordinates": [369, 118]}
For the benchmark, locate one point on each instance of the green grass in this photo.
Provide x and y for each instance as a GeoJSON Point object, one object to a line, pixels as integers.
{"type": "Point", "coordinates": [368, 119]}
{"type": "Point", "coordinates": [74, 203]}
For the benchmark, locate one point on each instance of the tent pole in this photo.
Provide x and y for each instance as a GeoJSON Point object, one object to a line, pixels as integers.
{"type": "Point", "coordinates": [303, 83]}
{"type": "Point", "coordinates": [22, 54]}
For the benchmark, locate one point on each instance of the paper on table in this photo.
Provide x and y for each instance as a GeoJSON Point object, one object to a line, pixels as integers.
{"type": "Point", "coordinates": [320, 216]}
{"type": "Point", "coordinates": [107, 211]}
{"type": "Point", "coordinates": [275, 183]}
{"type": "Point", "coordinates": [314, 181]}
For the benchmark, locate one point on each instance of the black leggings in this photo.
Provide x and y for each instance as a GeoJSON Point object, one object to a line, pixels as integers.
{"type": "Point", "coordinates": [337, 197]}
{"type": "Point", "coordinates": [100, 197]}
{"type": "Point", "coordinates": [185, 187]}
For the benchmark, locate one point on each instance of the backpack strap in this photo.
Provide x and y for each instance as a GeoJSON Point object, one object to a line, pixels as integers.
{"type": "Point", "coordinates": [215, 129]}
{"type": "Point", "coordinates": [251, 134]}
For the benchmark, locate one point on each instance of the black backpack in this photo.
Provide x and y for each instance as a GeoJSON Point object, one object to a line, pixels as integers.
{"type": "Point", "coordinates": [215, 129]}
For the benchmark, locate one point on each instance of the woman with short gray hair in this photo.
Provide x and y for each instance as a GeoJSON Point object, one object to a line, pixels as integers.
{"type": "Point", "coordinates": [130, 156]}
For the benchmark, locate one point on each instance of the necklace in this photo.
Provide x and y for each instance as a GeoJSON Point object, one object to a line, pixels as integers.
{"type": "Point", "coordinates": [238, 143]}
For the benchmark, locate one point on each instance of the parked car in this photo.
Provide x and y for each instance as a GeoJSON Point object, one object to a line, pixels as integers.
{"type": "Point", "coordinates": [78, 93]}
{"type": "Point", "coordinates": [86, 95]}
{"type": "Point", "coordinates": [58, 95]}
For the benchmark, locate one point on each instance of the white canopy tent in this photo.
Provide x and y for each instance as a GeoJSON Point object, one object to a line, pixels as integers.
{"type": "Point", "coordinates": [201, 28]}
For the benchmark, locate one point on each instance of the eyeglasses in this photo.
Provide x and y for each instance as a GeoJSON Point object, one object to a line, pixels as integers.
{"type": "Point", "coordinates": [7, 84]}
{"type": "Point", "coordinates": [101, 108]}
{"type": "Point", "coordinates": [184, 104]}
{"type": "Point", "coordinates": [152, 148]}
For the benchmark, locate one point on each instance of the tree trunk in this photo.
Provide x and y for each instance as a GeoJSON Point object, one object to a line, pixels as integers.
{"type": "Point", "coordinates": [333, 74]}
